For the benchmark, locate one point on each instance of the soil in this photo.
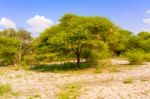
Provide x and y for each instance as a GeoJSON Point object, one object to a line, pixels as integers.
{"type": "Point", "coordinates": [30, 84]}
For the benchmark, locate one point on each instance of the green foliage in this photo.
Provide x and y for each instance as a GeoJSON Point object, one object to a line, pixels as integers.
{"type": "Point", "coordinates": [144, 41]}
{"type": "Point", "coordinates": [134, 43]}
{"type": "Point", "coordinates": [17, 35]}
{"type": "Point", "coordinates": [102, 27]}
{"type": "Point", "coordinates": [89, 38]}
{"type": "Point", "coordinates": [8, 50]}
{"type": "Point", "coordinates": [48, 57]}
{"type": "Point", "coordinates": [13, 46]}
{"type": "Point", "coordinates": [101, 64]}
{"type": "Point", "coordinates": [145, 45]}
{"type": "Point", "coordinates": [144, 35]}
{"type": "Point", "coordinates": [74, 34]}
{"type": "Point", "coordinates": [99, 51]}
{"type": "Point", "coordinates": [147, 57]}
{"type": "Point", "coordinates": [139, 47]}
{"type": "Point", "coordinates": [135, 56]}
{"type": "Point", "coordinates": [30, 60]}
{"type": "Point", "coordinates": [118, 41]}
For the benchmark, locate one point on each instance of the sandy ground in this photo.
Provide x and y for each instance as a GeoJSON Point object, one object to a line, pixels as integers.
{"type": "Point", "coordinates": [98, 86]}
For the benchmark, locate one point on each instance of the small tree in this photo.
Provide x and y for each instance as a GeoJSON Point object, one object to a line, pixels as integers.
{"type": "Point", "coordinates": [74, 33]}
{"type": "Point", "coordinates": [23, 39]}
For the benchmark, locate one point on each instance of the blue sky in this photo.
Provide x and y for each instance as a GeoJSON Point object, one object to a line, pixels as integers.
{"type": "Point", "coordinates": [128, 14]}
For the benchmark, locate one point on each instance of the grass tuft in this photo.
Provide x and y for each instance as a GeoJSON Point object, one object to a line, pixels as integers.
{"type": "Point", "coordinates": [128, 81]}
{"type": "Point", "coordinates": [18, 76]}
{"type": "Point", "coordinates": [35, 97]}
{"type": "Point", "coordinates": [70, 91]}
{"type": "Point", "coordinates": [114, 70]}
{"type": "Point", "coordinates": [5, 88]}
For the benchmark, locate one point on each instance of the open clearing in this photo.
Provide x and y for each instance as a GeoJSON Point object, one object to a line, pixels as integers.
{"type": "Point", "coordinates": [126, 84]}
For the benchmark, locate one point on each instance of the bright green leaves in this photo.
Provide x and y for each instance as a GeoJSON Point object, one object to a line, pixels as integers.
{"type": "Point", "coordinates": [8, 50]}
{"type": "Point", "coordinates": [13, 44]}
{"type": "Point", "coordinates": [75, 33]}
{"type": "Point", "coordinates": [119, 40]}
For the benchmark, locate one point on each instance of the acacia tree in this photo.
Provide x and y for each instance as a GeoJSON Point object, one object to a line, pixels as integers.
{"type": "Point", "coordinates": [74, 33]}
{"type": "Point", "coordinates": [23, 39]}
{"type": "Point", "coordinates": [25, 42]}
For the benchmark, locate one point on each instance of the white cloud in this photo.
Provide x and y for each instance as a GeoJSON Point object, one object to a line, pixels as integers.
{"type": "Point", "coordinates": [146, 29]}
{"type": "Point", "coordinates": [39, 23]}
{"type": "Point", "coordinates": [146, 20]}
{"type": "Point", "coordinates": [148, 12]}
{"type": "Point", "coordinates": [7, 23]}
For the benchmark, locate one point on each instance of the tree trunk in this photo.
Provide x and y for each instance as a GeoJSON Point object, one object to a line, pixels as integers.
{"type": "Point", "coordinates": [20, 57]}
{"type": "Point", "coordinates": [78, 59]}
{"type": "Point", "coordinates": [77, 53]}
{"type": "Point", "coordinates": [23, 50]}
{"type": "Point", "coordinates": [19, 54]}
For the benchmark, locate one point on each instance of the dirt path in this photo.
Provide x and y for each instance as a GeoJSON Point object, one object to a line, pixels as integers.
{"type": "Point", "coordinates": [98, 86]}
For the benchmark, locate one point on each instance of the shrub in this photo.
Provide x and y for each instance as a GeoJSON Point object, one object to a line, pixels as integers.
{"type": "Point", "coordinates": [147, 57]}
{"type": "Point", "coordinates": [8, 50]}
{"type": "Point", "coordinates": [98, 58]}
{"type": "Point", "coordinates": [30, 60]}
{"type": "Point", "coordinates": [135, 56]}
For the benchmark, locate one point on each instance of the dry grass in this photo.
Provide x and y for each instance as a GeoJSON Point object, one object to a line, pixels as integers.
{"type": "Point", "coordinates": [4, 89]}
{"type": "Point", "coordinates": [145, 92]}
{"type": "Point", "coordinates": [90, 70]}
{"type": "Point", "coordinates": [70, 91]}
{"type": "Point", "coordinates": [50, 83]}
{"type": "Point", "coordinates": [117, 68]}
{"type": "Point", "coordinates": [102, 69]}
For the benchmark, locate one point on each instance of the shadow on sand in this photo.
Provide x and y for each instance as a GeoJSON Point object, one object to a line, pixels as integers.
{"type": "Point", "coordinates": [59, 67]}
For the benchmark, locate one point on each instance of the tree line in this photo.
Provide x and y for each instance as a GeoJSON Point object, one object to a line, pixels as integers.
{"type": "Point", "coordinates": [89, 38]}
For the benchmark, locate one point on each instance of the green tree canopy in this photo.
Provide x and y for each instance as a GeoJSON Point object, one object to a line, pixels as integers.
{"type": "Point", "coordinates": [119, 40]}
{"type": "Point", "coordinates": [8, 50]}
{"type": "Point", "coordinates": [74, 33]}
{"type": "Point", "coordinates": [16, 42]}
{"type": "Point", "coordinates": [145, 41]}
